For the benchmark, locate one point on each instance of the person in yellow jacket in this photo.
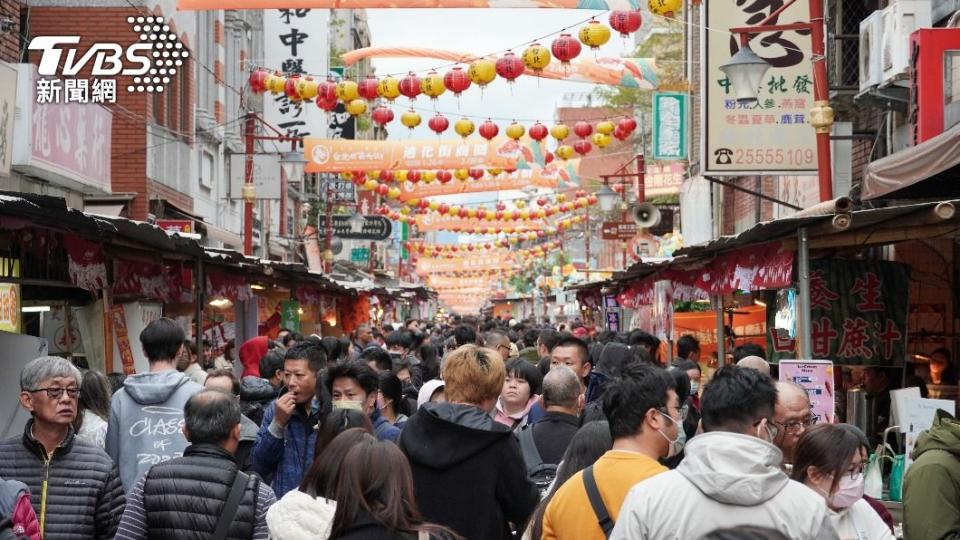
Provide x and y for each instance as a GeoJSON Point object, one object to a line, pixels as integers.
{"type": "Point", "coordinates": [645, 419]}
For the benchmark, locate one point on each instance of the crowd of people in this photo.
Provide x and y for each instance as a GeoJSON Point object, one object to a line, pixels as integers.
{"type": "Point", "coordinates": [477, 429]}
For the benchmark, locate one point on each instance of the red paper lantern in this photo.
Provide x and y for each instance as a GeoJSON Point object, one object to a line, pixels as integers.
{"type": "Point", "coordinates": [498, 214]}
{"type": "Point", "coordinates": [463, 212]}
{"type": "Point", "coordinates": [386, 175]}
{"type": "Point", "coordinates": [382, 115]}
{"type": "Point", "coordinates": [501, 206]}
{"type": "Point", "coordinates": [327, 104]}
{"type": "Point", "coordinates": [547, 158]}
{"type": "Point", "coordinates": [579, 193]}
{"type": "Point", "coordinates": [410, 86]}
{"type": "Point", "coordinates": [510, 66]}
{"type": "Point", "coordinates": [476, 173]}
{"type": "Point", "coordinates": [368, 88]}
{"type": "Point", "coordinates": [438, 123]}
{"type": "Point", "coordinates": [628, 124]}
{"type": "Point", "coordinates": [619, 133]}
{"type": "Point", "coordinates": [488, 130]}
{"type": "Point", "coordinates": [327, 91]}
{"type": "Point", "coordinates": [565, 48]}
{"type": "Point", "coordinates": [456, 81]}
{"type": "Point", "coordinates": [258, 81]}
{"type": "Point", "coordinates": [444, 176]}
{"type": "Point", "coordinates": [444, 209]}
{"type": "Point", "coordinates": [481, 213]}
{"type": "Point", "coordinates": [582, 129]}
{"type": "Point", "coordinates": [413, 176]}
{"type": "Point", "coordinates": [541, 202]}
{"type": "Point", "coordinates": [538, 132]}
{"type": "Point", "coordinates": [625, 22]}
{"type": "Point", "coordinates": [290, 87]}
{"type": "Point", "coordinates": [382, 189]}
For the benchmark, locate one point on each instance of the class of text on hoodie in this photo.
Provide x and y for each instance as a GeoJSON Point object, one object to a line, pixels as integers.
{"type": "Point", "coordinates": [146, 418]}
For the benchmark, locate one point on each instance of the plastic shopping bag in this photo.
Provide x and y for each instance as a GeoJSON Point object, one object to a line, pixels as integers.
{"type": "Point", "coordinates": [873, 481]}
{"type": "Point", "coordinates": [896, 478]}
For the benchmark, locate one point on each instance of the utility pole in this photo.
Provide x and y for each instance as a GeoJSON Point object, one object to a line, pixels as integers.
{"type": "Point", "coordinates": [249, 190]}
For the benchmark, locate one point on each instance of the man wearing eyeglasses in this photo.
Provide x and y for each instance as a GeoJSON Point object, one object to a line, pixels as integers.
{"type": "Point", "coordinates": [499, 343]}
{"type": "Point", "coordinates": [792, 415]}
{"type": "Point", "coordinates": [74, 485]}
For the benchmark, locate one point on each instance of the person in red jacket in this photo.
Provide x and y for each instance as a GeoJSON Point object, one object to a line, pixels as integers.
{"type": "Point", "coordinates": [17, 517]}
{"type": "Point", "coordinates": [250, 354]}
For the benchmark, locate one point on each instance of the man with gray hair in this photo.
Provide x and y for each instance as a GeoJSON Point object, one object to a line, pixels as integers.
{"type": "Point", "coordinates": [499, 343]}
{"type": "Point", "coordinates": [203, 493]}
{"type": "Point", "coordinates": [546, 441]}
{"type": "Point", "coordinates": [74, 485]}
{"type": "Point", "coordinates": [792, 415]}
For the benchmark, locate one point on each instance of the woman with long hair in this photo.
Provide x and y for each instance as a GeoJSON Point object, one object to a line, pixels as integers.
{"type": "Point", "coordinates": [393, 406]}
{"type": "Point", "coordinates": [830, 460]}
{"type": "Point", "coordinates": [590, 442]}
{"type": "Point", "coordinates": [93, 407]}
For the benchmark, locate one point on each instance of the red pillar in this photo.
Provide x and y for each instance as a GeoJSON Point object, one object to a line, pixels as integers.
{"type": "Point", "coordinates": [249, 193]}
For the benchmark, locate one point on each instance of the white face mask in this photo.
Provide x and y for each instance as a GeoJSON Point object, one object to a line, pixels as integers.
{"type": "Point", "coordinates": [694, 388]}
{"type": "Point", "coordinates": [356, 405]}
{"type": "Point", "coordinates": [675, 445]}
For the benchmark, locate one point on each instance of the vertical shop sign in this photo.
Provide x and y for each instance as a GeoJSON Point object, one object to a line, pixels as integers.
{"type": "Point", "coordinates": [669, 125]}
{"type": "Point", "coordinates": [858, 313]}
{"type": "Point", "coordinates": [123, 339]}
{"type": "Point", "coordinates": [10, 307]}
{"type": "Point", "coordinates": [295, 40]}
{"type": "Point", "coordinates": [290, 315]}
{"type": "Point", "coordinates": [773, 134]}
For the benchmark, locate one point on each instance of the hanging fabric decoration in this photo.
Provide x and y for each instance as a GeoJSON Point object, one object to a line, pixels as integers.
{"type": "Point", "coordinates": [602, 140]}
{"type": "Point", "coordinates": [582, 147]}
{"type": "Point", "coordinates": [356, 107]}
{"type": "Point", "coordinates": [606, 127]}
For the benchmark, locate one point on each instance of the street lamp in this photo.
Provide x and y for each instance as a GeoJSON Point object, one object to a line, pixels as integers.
{"type": "Point", "coordinates": [356, 222]}
{"type": "Point", "coordinates": [745, 70]}
{"type": "Point", "coordinates": [293, 164]}
{"type": "Point", "coordinates": [607, 198]}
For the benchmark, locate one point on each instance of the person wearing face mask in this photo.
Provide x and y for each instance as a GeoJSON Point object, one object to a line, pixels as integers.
{"type": "Point", "coordinates": [645, 420]}
{"type": "Point", "coordinates": [354, 385]}
{"type": "Point", "coordinates": [390, 401]}
{"type": "Point", "coordinates": [830, 460]}
{"type": "Point", "coordinates": [468, 471]}
{"type": "Point", "coordinates": [730, 476]}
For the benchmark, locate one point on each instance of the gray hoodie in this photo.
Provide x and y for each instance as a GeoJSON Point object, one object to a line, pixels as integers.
{"type": "Point", "coordinates": [725, 480]}
{"type": "Point", "coordinates": [146, 418]}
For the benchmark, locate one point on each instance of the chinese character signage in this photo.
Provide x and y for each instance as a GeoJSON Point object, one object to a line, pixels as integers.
{"type": "Point", "coordinates": [858, 313]}
{"type": "Point", "coordinates": [546, 177]}
{"type": "Point", "coordinates": [290, 315]}
{"type": "Point", "coordinates": [335, 155]}
{"type": "Point", "coordinates": [295, 40]}
{"type": "Point", "coordinates": [8, 107]}
{"type": "Point", "coordinates": [772, 135]}
{"type": "Point", "coordinates": [10, 307]}
{"type": "Point", "coordinates": [663, 179]}
{"type": "Point", "coordinates": [669, 125]}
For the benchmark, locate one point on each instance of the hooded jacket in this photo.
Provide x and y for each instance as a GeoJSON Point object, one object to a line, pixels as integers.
{"type": "Point", "coordinates": [299, 516]}
{"type": "Point", "coordinates": [146, 417]}
{"type": "Point", "coordinates": [75, 493]}
{"type": "Point", "coordinates": [726, 480]}
{"type": "Point", "coordinates": [250, 354]}
{"type": "Point", "coordinates": [931, 491]}
{"type": "Point", "coordinates": [255, 395]}
{"type": "Point", "coordinates": [468, 471]}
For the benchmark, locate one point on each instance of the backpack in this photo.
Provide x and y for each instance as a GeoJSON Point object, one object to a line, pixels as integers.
{"type": "Point", "coordinates": [540, 473]}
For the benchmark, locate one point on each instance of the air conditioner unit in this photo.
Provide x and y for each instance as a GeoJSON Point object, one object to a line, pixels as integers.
{"type": "Point", "coordinates": [900, 19]}
{"type": "Point", "coordinates": [871, 29]}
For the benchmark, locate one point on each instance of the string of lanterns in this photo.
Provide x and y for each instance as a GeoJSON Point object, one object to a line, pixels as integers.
{"type": "Point", "coordinates": [355, 96]}
{"type": "Point", "coordinates": [425, 206]}
{"type": "Point", "coordinates": [494, 245]}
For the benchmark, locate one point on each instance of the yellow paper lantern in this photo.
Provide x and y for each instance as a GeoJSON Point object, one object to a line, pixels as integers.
{"type": "Point", "coordinates": [594, 34]}
{"type": "Point", "coordinates": [410, 202]}
{"type": "Point", "coordinates": [410, 119]}
{"type": "Point", "coordinates": [515, 131]}
{"type": "Point", "coordinates": [371, 185]}
{"type": "Point", "coordinates": [525, 214]}
{"type": "Point", "coordinates": [400, 175]}
{"type": "Point", "coordinates": [536, 57]}
{"type": "Point", "coordinates": [666, 8]}
{"type": "Point", "coordinates": [602, 140]}
{"type": "Point", "coordinates": [564, 152]}
{"type": "Point", "coordinates": [471, 213]}
{"type": "Point", "coordinates": [482, 72]}
{"type": "Point", "coordinates": [461, 174]}
{"type": "Point", "coordinates": [521, 203]}
{"type": "Point", "coordinates": [434, 205]}
{"type": "Point", "coordinates": [432, 85]}
{"type": "Point", "coordinates": [541, 213]}
{"type": "Point", "coordinates": [561, 198]}
{"type": "Point", "coordinates": [490, 216]}
{"type": "Point", "coordinates": [307, 88]}
{"type": "Point", "coordinates": [275, 83]}
{"type": "Point", "coordinates": [388, 88]}
{"type": "Point", "coordinates": [393, 193]}
{"type": "Point", "coordinates": [464, 127]}
{"type": "Point", "coordinates": [494, 171]}
{"type": "Point", "coordinates": [347, 91]}
{"type": "Point", "coordinates": [404, 211]}
{"type": "Point", "coordinates": [606, 127]}
{"type": "Point", "coordinates": [374, 174]}
{"type": "Point", "coordinates": [560, 132]}
{"type": "Point", "coordinates": [356, 107]}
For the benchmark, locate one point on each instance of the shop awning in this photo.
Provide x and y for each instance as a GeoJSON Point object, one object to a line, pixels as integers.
{"type": "Point", "coordinates": [926, 171]}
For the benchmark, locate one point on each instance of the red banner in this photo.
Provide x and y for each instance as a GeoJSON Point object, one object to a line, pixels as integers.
{"type": "Point", "coordinates": [123, 339]}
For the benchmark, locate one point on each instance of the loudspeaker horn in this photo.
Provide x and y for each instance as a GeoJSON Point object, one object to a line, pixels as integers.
{"type": "Point", "coordinates": [645, 215]}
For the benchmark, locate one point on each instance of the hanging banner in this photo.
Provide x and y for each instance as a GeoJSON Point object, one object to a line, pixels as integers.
{"type": "Point", "coordinates": [123, 339]}
{"type": "Point", "coordinates": [435, 222]}
{"type": "Point", "coordinates": [296, 42]}
{"type": "Point", "coordinates": [548, 177]}
{"type": "Point", "coordinates": [626, 72]}
{"type": "Point", "coordinates": [334, 155]}
{"type": "Point", "coordinates": [773, 135]}
{"type": "Point", "coordinates": [205, 5]}
{"type": "Point", "coordinates": [858, 313]}
{"type": "Point", "coordinates": [663, 179]}
{"type": "Point", "coordinates": [486, 262]}
{"type": "Point", "coordinates": [669, 126]}
{"type": "Point", "coordinates": [446, 282]}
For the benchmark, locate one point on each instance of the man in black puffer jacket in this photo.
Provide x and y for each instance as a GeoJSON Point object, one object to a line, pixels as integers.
{"type": "Point", "coordinates": [186, 496]}
{"type": "Point", "coordinates": [74, 485]}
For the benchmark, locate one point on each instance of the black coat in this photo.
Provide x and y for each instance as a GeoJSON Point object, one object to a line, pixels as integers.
{"type": "Point", "coordinates": [553, 434]}
{"type": "Point", "coordinates": [468, 471]}
{"type": "Point", "coordinates": [184, 497]}
{"type": "Point", "coordinates": [84, 496]}
{"type": "Point", "coordinates": [366, 528]}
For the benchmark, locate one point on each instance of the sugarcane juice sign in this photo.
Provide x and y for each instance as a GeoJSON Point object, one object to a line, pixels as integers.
{"type": "Point", "coordinates": [772, 135]}
{"type": "Point", "coordinates": [858, 313]}
{"type": "Point", "coordinates": [9, 307]}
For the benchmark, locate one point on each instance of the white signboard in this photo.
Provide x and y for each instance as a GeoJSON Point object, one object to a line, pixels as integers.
{"type": "Point", "coordinates": [918, 417]}
{"type": "Point", "coordinates": [772, 135]}
{"type": "Point", "coordinates": [295, 42]}
{"type": "Point", "coordinates": [266, 175]}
